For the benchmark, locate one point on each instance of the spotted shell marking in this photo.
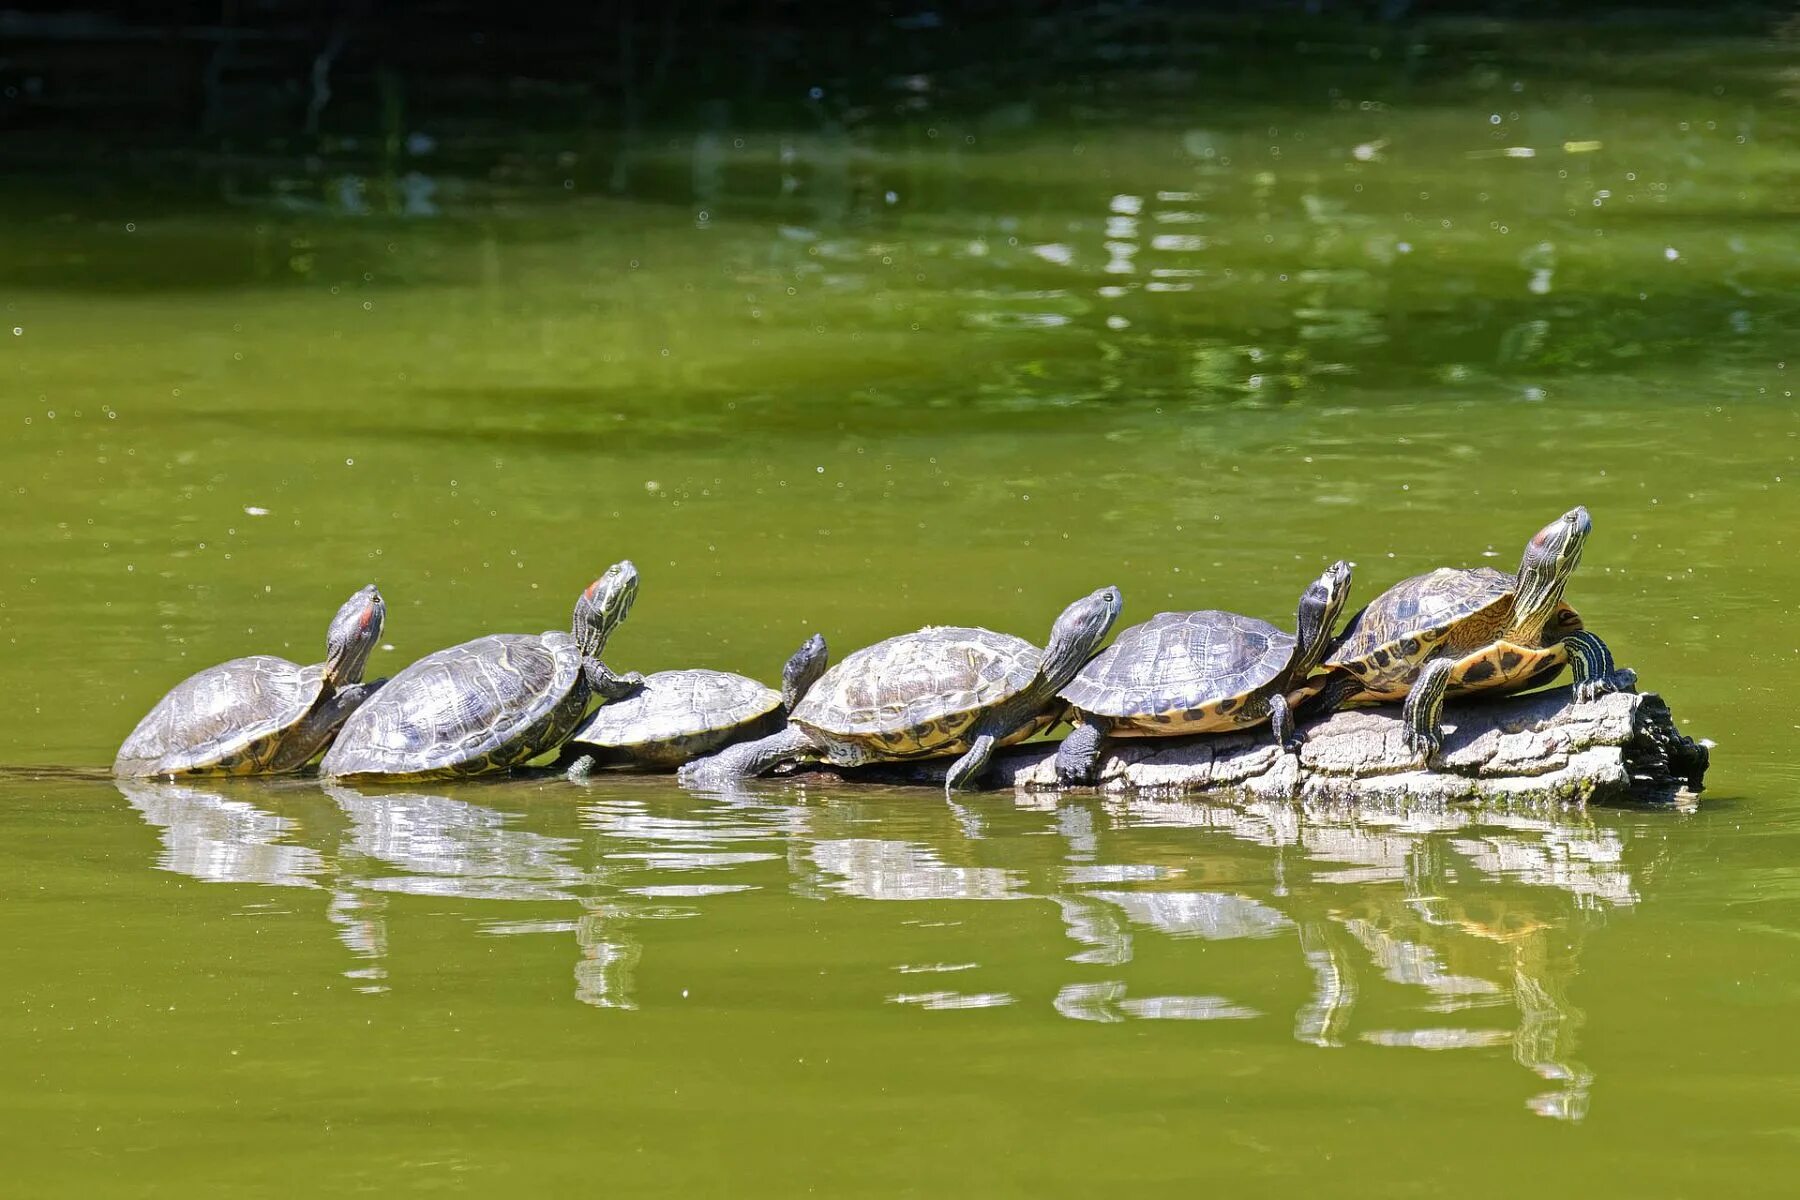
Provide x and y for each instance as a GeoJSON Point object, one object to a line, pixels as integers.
{"type": "Point", "coordinates": [920, 692]}
{"type": "Point", "coordinates": [240, 717]}
{"type": "Point", "coordinates": [488, 704]}
{"type": "Point", "coordinates": [1508, 666]}
{"type": "Point", "coordinates": [1183, 672]}
{"type": "Point", "coordinates": [678, 715]}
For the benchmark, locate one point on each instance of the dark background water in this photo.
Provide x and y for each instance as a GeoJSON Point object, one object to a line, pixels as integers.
{"type": "Point", "coordinates": [1025, 300]}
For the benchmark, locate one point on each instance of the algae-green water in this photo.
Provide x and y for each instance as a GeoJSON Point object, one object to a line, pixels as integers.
{"type": "Point", "coordinates": [855, 379]}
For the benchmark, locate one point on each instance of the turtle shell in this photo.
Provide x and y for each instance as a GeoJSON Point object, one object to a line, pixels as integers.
{"type": "Point", "coordinates": [1183, 672]}
{"type": "Point", "coordinates": [918, 693]}
{"type": "Point", "coordinates": [1447, 609]}
{"type": "Point", "coordinates": [486, 705]}
{"type": "Point", "coordinates": [239, 718]}
{"type": "Point", "coordinates": [677, 716]}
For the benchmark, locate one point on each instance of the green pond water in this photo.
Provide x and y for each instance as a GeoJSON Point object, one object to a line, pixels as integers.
{"type": "Point", "coordinates": [1194, 339]}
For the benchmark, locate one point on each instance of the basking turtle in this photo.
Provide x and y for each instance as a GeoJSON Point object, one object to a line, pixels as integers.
{"type": "Point", "coordinates": [1198, 672]}
{"type": "Point", "coordinates": [1468, 630]}
{"type": "Point", "coordinates": [492, 703]}
{"type": "Point", "coordinates": [677, 716]}
{"type": "Point", "coordinates": [942, 690]}
{"type": "Point", "coordinates": [260, 714]}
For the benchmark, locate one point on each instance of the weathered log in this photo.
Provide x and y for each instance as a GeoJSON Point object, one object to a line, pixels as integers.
{"type": "Point", "coordinates": [1541, 747]}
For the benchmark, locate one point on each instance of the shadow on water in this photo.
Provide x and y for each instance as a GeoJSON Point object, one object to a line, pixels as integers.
{"type": "Point", "coordinates": [1425, 929]}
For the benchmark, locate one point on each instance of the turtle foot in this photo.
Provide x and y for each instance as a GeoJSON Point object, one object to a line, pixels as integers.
{"type": "Point", "coordinates": [1622, 680]}
{"type": "Point", "coordinates": [1424, 745]}
{"type": "Point", "coordinates": [1067, 776]}
{"type": "Point", "coordinates": [1078, 758]}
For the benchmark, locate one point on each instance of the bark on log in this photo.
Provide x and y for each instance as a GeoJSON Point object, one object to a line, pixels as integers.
{"type": "Point", "coordinates": [1541, 747]}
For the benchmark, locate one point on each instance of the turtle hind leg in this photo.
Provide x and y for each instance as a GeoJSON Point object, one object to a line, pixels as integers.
{"type": "Point", "coordinates": [1424, 708]}
{"type": "Point", "coordinates": [1595, 672]}
{"type": "Point", "coordinates": [1078, 758]}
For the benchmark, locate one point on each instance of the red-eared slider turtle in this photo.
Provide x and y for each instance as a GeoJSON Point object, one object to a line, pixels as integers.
{"type": "Point", "coordinates": [1467, 630]}
{"type": "Point", "coordinates": [260, 714]}
{"type": "Point", "coordinates": [678, 716]}
{"type": "Point", "coordinates": [942, 690]}
{"type": "Point", "coordinates": [493, 703]}
{"type": "Point", "coordinates": [1198, 672]}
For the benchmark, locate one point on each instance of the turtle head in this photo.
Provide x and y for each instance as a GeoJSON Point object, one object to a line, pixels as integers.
{"type": "Point", "coordinates": [352, 635]}
{"type": "Point", "coordinates": [603, 605]}
{"type": "Point", "coordinates": [1550, 558]}
{"type": "Point", "coordinates": [1078, 633]}
{"type": "Point", "coordinates": [803, 670]}
{"type": "Point", "coordinates": [1320, 607]}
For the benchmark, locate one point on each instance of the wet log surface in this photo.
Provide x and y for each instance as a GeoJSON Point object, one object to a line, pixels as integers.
{"type": "Point", "coordinates": [1621, 748]}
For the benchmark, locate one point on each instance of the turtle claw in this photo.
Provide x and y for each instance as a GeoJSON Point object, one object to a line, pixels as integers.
{"type": "Point", "coordinates": [1072, 778]}
{"type": "Point", "coordinates": [1425, 745]}
{"type": "Point", "coordinates": [1622, 680]}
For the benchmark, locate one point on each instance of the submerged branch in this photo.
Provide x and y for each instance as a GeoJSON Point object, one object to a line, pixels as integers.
{"type": "Point", "coordinates": [1538, 747]}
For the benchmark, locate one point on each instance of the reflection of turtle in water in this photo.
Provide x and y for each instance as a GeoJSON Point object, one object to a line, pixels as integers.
{"type": "Point", "coordinates": [678, 716]}
{"type": "Point", "coordinates": [213, 831]}
{"type": "Point", "coordinates": [492, 703]}
{"type": "Point", "coordinates": [1468, 630]}
{"type": "Point", "coordinates": [942, 690]}
{"type": "Point", "coordinates": [260, 714]}
{"type": "Point", "coordinates": [1197, 672]}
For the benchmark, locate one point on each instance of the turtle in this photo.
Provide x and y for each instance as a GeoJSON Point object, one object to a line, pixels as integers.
{"type": "Point", "coordinates": [1470, 629]}
{"type": "Point", "coordinates": [493, 703]}
{"type": "Point", "coordinates": [1198, 672]}
{"type": "Point", "coordinates": [944, 689]}
{"type": "Point", "coordinates": [261, 714]}
{"type": "Point", "coordinates": [678, 716]}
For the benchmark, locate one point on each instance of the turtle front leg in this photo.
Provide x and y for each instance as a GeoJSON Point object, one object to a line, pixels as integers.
{"type": "Point", "coordinates": [606, 684]}
{"type": "Point", "coordinates": [346, 700]}
{"type": "Point", "coordinates": [966, 772]}
{"type": "Point", "coordinates": [580, 769]}
{"type": "Point", "coordinates": [321, 725]}
{"type": "Point", "coordinates": [1281, 721]}
{"type": "Point", "coordinates": [1425, 707]}
{"type": "Point", "coordinates": [1336, 692]}
{"type": "Point", "coordinates": [1078, 758]}
{"type": "Point", "coordinates": [736, 763]}
{"type": "Point", "coordinates": [1595, 672]}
